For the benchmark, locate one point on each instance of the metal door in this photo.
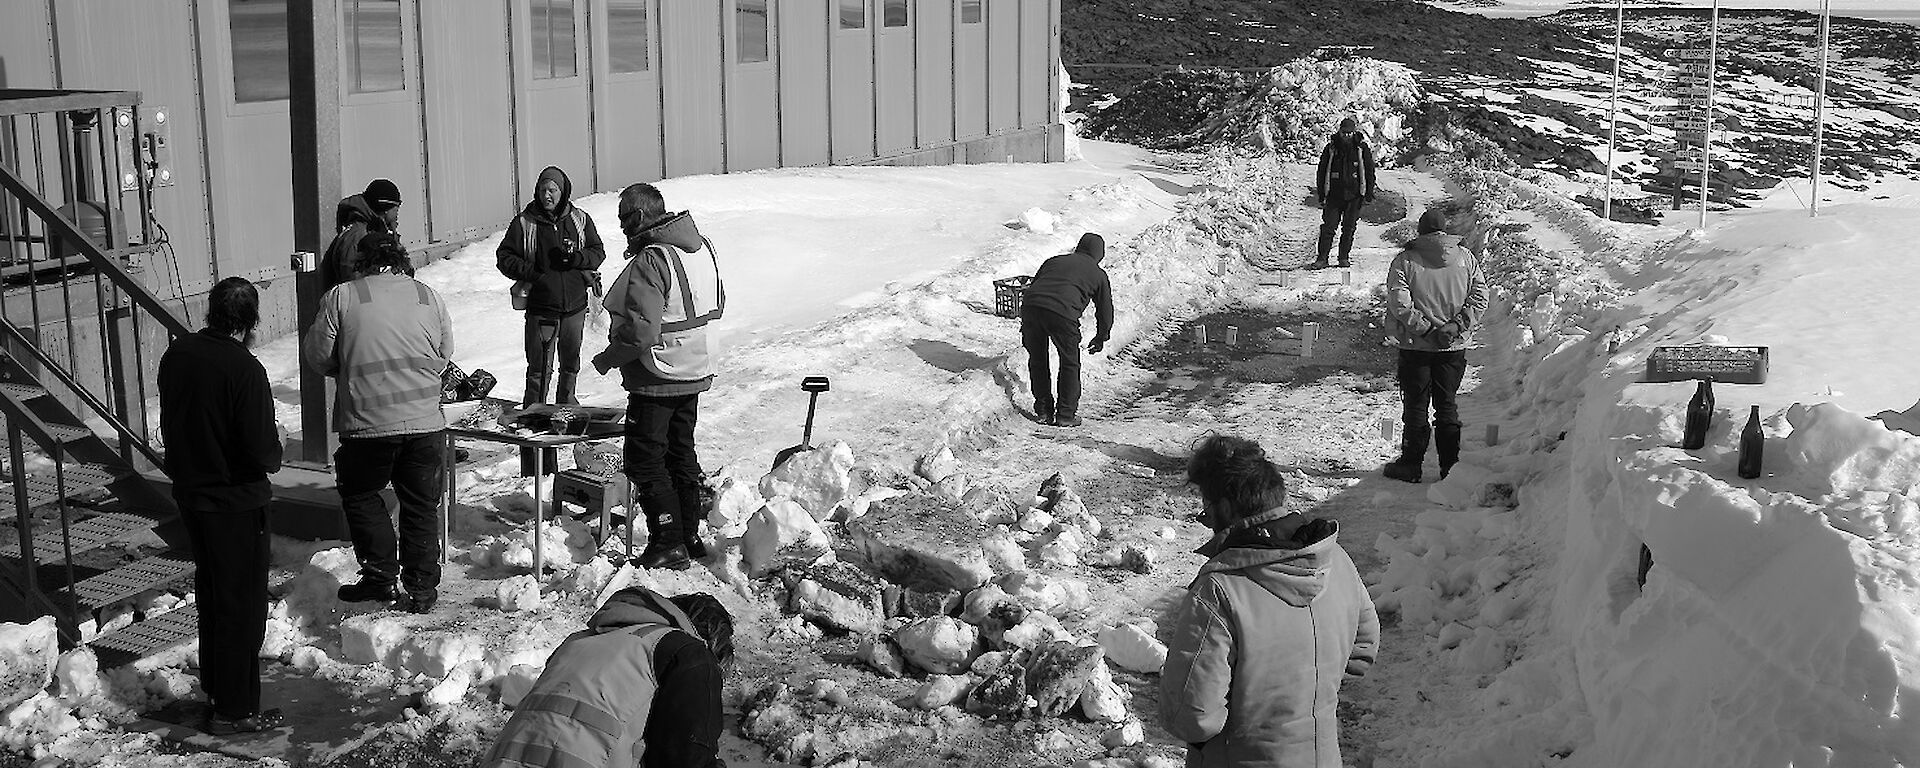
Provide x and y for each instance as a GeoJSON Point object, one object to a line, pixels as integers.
{"type": "Point", "coordinates": [468, 113]}
{"type": "Point", "coordinates": [851, 71]}
{"type": "Point", "coordinates": [627, 96]}
{"type": "Point", "coordinates": [555, 118]}
{"type": "Point", "coordinates": [893, 84]}
{"type": "Point", "coordinates": [970, 69]}
{"type": "Point", "coordinates": [691, 85]}
{"type": "Point", "coordinates": [753, 99]}
{"type": "Point", "coordinates": [933, 70]}
{"type": "Point", "coordinates": [803, 29]}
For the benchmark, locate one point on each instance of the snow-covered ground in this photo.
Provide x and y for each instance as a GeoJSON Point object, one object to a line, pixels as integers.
{"type": "Point", "coordinates": [1777, 625]}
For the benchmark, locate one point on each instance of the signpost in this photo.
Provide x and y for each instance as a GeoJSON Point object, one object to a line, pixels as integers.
{"type": "Point", "coordinates": [1693, 120]}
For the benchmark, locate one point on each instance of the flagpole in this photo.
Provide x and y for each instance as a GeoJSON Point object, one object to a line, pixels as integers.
{"type": "Point", "coordinates": [1819, 103]}
{"type": "Point", "coordinates": [1613, 107]}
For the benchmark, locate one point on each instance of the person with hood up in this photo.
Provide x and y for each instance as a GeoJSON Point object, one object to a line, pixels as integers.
{"type": "Point", "coordinates": [658, 311]}
{"type": "Point", "coordinates": [554, 253]}
{"type": "Point", "coordinates": [1435, 296]}
{"type": "Point", "coordinates": [1343, 184]}
{"type": "Point", "coordinates": [640, 686]}
{"type": "Point", "coordinates": [374, 211]}
{"type": "Point", "coordinates": [1050, 312]}
{"type": "Point", "coordinates": [1274, 621]}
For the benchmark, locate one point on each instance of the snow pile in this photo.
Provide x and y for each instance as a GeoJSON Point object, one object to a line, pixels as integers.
{"type": "Point", "coordinates": [28, 653]}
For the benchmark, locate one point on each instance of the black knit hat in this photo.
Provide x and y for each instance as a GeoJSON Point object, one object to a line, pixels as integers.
{"type": "Point", "coordinates": [1349, 124]}
{"type": "Point", "coordinates": [382, 194]}
{"type": "Point", "coordinates": [1434, 220]}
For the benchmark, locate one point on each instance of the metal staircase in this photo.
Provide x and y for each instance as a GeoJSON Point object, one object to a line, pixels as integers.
{"type": "Point", "coordinates": [80, 335]}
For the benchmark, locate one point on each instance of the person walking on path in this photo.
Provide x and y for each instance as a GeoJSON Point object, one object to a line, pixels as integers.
{"type": "Point", "coordinates": [1273, 623]}
{"type": "Point", "coordinates": [373, 211]}
{"type": "Point", "coordinates": [554, 252]}
{"type": "Point", "coordinates": [658, 311]}
{"type": "Point", "coordinates": [387, 338]}
{"type": "Point", "coordinates": [1435, 296]}
{"type": "Point", "coordinates": [1050, 312]}
{"type": "Point", "coordinates": [216, 419]}
{"type": "Point", "coordinates": [1343, 184]}
{"type": "Point", "coordinates": [640, 687]}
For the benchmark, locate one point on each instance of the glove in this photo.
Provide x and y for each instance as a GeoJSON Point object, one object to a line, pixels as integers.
{"type": "Point", "coordinates": [1320, 199]}
{"type": "Point", "coordinates": [1446, 335]}
{"type": "Point", "coordinates": [600, 363]}
{"type": "Point", "coordinates": [1368, 197]}
{"type": "Point", "coordinates": [1096, 346]}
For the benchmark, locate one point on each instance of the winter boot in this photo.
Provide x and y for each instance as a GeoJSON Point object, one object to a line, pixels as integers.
{"type": "Point", "coordinates": [563, 389]}
{"type": "Point", "coordinates": [366, 591]}
{"type": "Point", "coordinates": [1043, 412]}
{"type": "Point", "coordinates": [1413, 451]}
{"type": "Point", "coordinates": [1066, 420]}
{"type": "Point", "coordinates": [1446, 442]}
{"type": "Point", "coordinates": [698, 496]}
{"type": "Point", "coordinates": [1319, 263]}
{"type": "Point", "coordinates": [666, 545]}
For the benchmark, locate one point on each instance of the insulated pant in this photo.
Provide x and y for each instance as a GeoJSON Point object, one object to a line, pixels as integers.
{"type": "Point", "coordinates": [1431, 379]}
{"type": "Point", "coordinates": [1343, 215]}
{"type": "Point", "coordinates": [412, 464]}
{"type": "Point", "coordinates": [540, 357]}
{"type": "Point", "coordinates": [230, 587]}
{"type": "Point", "coordinates": [662, 465]}
{"type": "Point", "coordinates": [1039, 329]}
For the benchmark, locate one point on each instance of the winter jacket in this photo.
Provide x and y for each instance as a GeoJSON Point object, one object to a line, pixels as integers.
{"type": "Point", "coordinates": [1346, 170]}
{"type": "Point", "coordinates": [386, 338]}
{"type": "Point", "coordinates": [1263, 638]}
{"type": "Point", "coordinates": [659, 308]}
{"type": "Point", "coordinates": [1065, 283]}
{"type": "Point", "coordinates": [534, 250]}
{"type": "Point", "coordinates": [216, 419]}
{"type": "Point", "coordinates": [1435, 294]}
{"type": "Point", "coordinates": [352, 219]}
{"type": "Point", "coordinates": [638, 687]}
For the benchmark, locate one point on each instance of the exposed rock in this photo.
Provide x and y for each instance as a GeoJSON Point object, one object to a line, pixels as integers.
{"type": "Point", "coordinates": [980, 603]}
{"type": "Point", "coordinates": [1125, 734]}
{"type": "Point", "coordinates": [914, 603]}
{"type": "Point", "coordinates": [1003, 616]}
{"type": "Point", "coordinates": [1036, 520]}
{"type": "Point", "coordinates": [937, 466]}
{"type": "Point", "coordinates": [818, 480]}
{"type": "Point", "coordinates": [837, 596]}
{"type": "Point", "coordinates": [1056, 595]}
{"type": "Point", "coordinates": [939, 691]}
{"type": "Point", "coordinates": [781, 533]}
{"type": "Point", "coordinates": [1001, 694]}
{"type": "Point", "coordinates": [991, 661]}
{"type": "Point", "coordinates": [939, 644]}
{"type": "Point", "coordinates": [879, 652]}
{"type": "Point", "coordinates": [954, 488]}
{"type": "Point", "coordinates": [28, 654]}
{"type": "Point", "coordinates": [922, 543]}
{"type": "Point", "coordinates": [1103, 700]}
{"type": "Point", "coordinates": [987, 502]}
{"type": "Point", "coordinates": [1035, 630]}
{"type": "Point", "coordinates": [1133, 557]}
{"type": "Point", "coordinates": [1057, 674]}
{"type": "Point", "coordinates": [1133, 648]}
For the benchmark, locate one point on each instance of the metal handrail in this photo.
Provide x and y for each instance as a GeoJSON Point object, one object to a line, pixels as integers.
{"type": "Point", "coordinates": [134, 291]}
{"type": "Point", "coordinates": [47, 362]}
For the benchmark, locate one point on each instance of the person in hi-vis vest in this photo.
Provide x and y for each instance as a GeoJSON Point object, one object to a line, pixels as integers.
{"type": "Point", "coordinates": [658, 311]}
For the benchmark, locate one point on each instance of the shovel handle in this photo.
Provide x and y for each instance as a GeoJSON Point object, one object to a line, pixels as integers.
{"type": "Point", "coordinates": [806, 437]}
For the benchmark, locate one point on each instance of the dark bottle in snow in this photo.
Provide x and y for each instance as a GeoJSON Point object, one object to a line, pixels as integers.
{"type": "Point", "coordinates": [1699, 417]}
{"type": "Point", "coordinates": [1752, 444]}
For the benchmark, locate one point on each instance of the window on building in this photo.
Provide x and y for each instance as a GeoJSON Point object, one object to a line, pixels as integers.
{"type": "Point", "coordinates": [750, 30]}
{"type": "Point", "coordinates": [627, 35]}
{"type": "Point", "coordinates": [554, 47]}
{"type": "Point", "coordinates": [853, 14]}
{"type": "Point", "coordinates": [374, 60]}
{"type": "Point", "coordinates": [970, 11]}
{"type": "Point", "coordinates": [259, 35]}
{"type": "Point", "coordinates": [894, 13]}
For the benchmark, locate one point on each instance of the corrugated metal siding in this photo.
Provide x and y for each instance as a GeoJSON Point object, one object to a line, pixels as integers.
{"type": "Point", "coordinates": [851, 95]}
{"type": "Point", "coordinates": [893, 85]}
{"type": "Point", "coordinates": [470, 173]}
{"type": "Point", "coordinates": [554, 112]}
{"type": "Point", "coordinates": [1003, 65]}
{"type": "Point", "coordinates": [933, 52]}
{"type": "Point", "coordinates": [691, 88]}
{"type": "Point", "coordinates": [628, 108]}
{"type": "Point", "coordinates": [753, 98]}
{"type": "Point", "coordinates": [970, 79]}
{"type": "Point", "coordinates": [804, 119]}
{"type": "Point", "coordinates": [1036, 63]}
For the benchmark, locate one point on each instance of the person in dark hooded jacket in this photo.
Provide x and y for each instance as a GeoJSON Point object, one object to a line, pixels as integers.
{"type": "Point", "coordinates": [1343, 184]}
{"type": "Point", "coordinates": [658, 311]}
{"type": "Point", "coordinates": [1050, 312]}
{"type": "Point", "coordinates": [1435, 296]}
{"type": "Point", "coordinates": [640, 686]}
{"type": "Point", "coordinates": [374, 211]}
{"type": "Point", "coordinates": [1274, 621]}
{"type": "Point", "coordinates": [554, 252]}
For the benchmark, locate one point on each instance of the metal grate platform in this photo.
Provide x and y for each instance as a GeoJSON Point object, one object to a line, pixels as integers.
{"type": "Point", "coordinates": [87, 534]}
{"type": "Point", "coordinates": [131, 579]}
{"type": "Point", "coordinates": [43, 490]}
{"type": "Point", "coordinates": [22, 392]}
{"type": "Point", "coordinates": [146, 638]}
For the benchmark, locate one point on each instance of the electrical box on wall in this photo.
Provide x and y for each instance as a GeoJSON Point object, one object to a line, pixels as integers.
{"type": "Point", "coordinates": [147, 157]}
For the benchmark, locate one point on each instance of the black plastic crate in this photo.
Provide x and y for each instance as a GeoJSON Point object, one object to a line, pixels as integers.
{"type": "Point", "coordinates": [1007, 292]}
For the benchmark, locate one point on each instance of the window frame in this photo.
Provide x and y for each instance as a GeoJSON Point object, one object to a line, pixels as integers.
{"type": "Point", "coordinates": [533, 74]}
{"type": "Point", "coordinates": [349, 42]}
{"type": "Point", "coordinates": [651, 65]}
{"type": "Point", "coordinates": [737, 49]}
{"type": "Point", "coordinates": [839, 10]}
{"type": "Point", "coordinates": [904, 5]}
{"type": "Point", "coordinates": [235, 106]}
{"type": "Point", "coordinates": [980, 11]}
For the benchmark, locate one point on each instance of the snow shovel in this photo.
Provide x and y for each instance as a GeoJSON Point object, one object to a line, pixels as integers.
{"type": "Point", "coordinates": [813, 386]}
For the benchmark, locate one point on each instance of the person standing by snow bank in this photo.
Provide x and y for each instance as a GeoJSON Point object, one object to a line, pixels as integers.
{"type": "Point", "coordinates": [658, 309]}
{"type": "Point", "coordinates": [1435, 296]}
{"type": "Point", "coordinates": [1050, 312]}
{"type": "Point", "coordinates": [554, 251]}
{"type": "Point", "coordinates": [640, 686]}
{"type": "Point", "coordinates": [1343, 184]}
{"type": "Point", "coordinates": [1274, 621]}
{"type": "Point", "coordinates": [216, 418]}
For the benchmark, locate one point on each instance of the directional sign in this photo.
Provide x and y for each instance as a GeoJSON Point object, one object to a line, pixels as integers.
{"type": "Point", "coordinates": [1689, 165]}
{"type": "Point", "coordinates": [1687, 136]}
{"type": "Point", "coordinates": [1692, 91]}
{"type": "Point", "coordinates": [1692, 123]}
{"type": "Point", "coordinates": [1689, 53]}
{"type": "Point", "coordinates": [1693, 68]}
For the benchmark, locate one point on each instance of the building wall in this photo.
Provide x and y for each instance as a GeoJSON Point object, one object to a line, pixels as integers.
{"type": "Point", "coordinates": [462, 102]}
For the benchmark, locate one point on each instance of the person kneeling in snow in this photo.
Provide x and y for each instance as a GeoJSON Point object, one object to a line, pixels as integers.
{"type": "Point", "coordinates": [1268, 628]}
{"type": "Point", "coordinates": [640, 686]}
{"type": "Point", "coordinates": [1435, 296]}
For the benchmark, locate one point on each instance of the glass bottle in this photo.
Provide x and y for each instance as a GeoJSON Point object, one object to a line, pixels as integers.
{"type": "Point", "coordinates": [1699, 417]}
{"type": "Point", "coordinates": [1752, 444]}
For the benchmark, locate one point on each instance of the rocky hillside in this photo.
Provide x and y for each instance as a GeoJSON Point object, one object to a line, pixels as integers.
{"type": "Point", "coordinates": [1538, 90]}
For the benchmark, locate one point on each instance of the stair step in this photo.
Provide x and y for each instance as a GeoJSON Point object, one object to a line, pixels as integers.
{"type": "Point", "coordinates": [42, 489]}
{"type": "Point", "coordinates": [64, 433]}
{"type": "Point", "coordinates": [87, 534]}
{"type": "Point", "coordinates": [146, 638]}
{"type": "Point", "coordinates": [131, 579]}
{"type": "Point", "coordinates": [22, 392]}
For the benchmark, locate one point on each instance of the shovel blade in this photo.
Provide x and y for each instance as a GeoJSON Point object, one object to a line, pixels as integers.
{"type": "Point", "coordinates": [788, 453]}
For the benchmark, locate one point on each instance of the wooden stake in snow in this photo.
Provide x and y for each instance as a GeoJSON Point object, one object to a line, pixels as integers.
{"type": "Point", "coordinates": [1233, 335]}
{"type": "Point", "coordinates": [1493, 434]}
{"type": "Point", "coordinates": [1346, 277]}
{"type": "Point", "coordinates": [1200, 334]}
{"type": "Point", "coordinates": [1309, 332]}
{"type": "Point", "coordinates": [1386, 428]}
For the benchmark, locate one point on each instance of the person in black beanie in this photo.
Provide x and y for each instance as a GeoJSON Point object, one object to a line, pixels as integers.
{"type": "Point", "coordinates": [375, 210]}
{"type": "Point", "coordinates": [1343, 184]}
{"type": "Point", "coordinates": [1050, 312]}
{"type": "Point", "coordinates": [216, 419]}
{"type": "Point", "coordinates": [554, 253]}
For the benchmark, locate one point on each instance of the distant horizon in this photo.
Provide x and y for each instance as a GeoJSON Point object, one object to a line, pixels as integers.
{"type": "Point", "coordinates": [1899, 11]}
